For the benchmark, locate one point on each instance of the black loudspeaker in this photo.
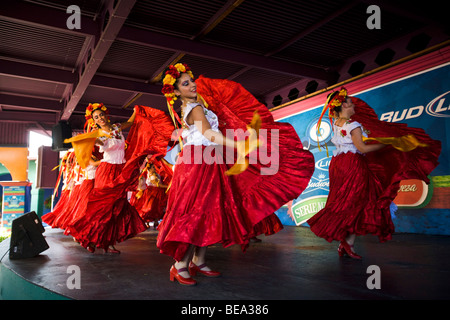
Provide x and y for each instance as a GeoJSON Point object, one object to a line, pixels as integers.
{"type": "Point", "coordinates": [26, 237]}
{"type": "Point", "coordinates": [62, 130]}
{"type": "Point", "coordinates": [46, 161]}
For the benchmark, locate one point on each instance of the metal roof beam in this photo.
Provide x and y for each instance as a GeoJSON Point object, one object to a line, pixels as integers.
{"type": "Point", "coordinates": [407, 11]}
{"type": "Point", "coordinates": [192, 47]}
{"type": "Point", "coordinates": [221, 14]}
{"type": "Point", "coordinates": [301, 34]}
{"type": "Point", "coordinates": [45, 16]}
{"type": "Point", "coordinates": [116, 20]}
{"type": "Point", "coordinates": [41, 104]}
{"type": "Point", "coordinates": [27, 116]}
{"type": "Point", "coordinates": [41, 16]}
{"type": "Point", "coordinates": [25, 70]}
{"type": "Point", "coordinates": [226, 9]}
{"type": "Point", "coordinates": [314, 27]}
{"type": "Point", "coordinates": [40, 73]}
{"type": "Point", "coordinates": [126, 85]}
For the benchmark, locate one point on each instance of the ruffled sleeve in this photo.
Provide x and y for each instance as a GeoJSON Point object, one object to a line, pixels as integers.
{"type": "Point", "coordinates": [188, 109]}
{"type": "Point", "coordinates": [352, 125]}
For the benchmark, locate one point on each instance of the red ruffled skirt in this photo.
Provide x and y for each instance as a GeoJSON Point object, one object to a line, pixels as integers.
{"type": "Point", "coordinates": [352, 206]}
{"type": "Point", "coordinates": [79, 208]}
{"type": "Point", "coordinates": [59, 209]}
{"type": "Point", "coordinates": [151, 205]}
{"type": "Point", "coordinates": [109, 218]}
{"type": "Point", "coordinates": [204, 208]}
{"type": "Point", "coordinates": [63, 219]}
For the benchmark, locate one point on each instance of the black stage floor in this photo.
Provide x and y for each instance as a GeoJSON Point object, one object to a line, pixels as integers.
{"type": "Point", "coordinates": [291, 265]}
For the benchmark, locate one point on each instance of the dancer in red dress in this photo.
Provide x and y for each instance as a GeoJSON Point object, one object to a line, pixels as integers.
{"type": "Point", "coordinates": [77, 179]}
{"type": "Point", "coordinates": [150, 199]}
{"type": "Point", "coordinates": [211, 201]}
{"type": "Point", "coordinates": [87, 184]}
{"type": "Point", "coordinates": [109, 218]}
{"type": "Point", "coordinates": [364, 177]}
{"type": "Point", "coordinates": [67, 173]}
{"type": "Point", "coordinates": [107, 221]}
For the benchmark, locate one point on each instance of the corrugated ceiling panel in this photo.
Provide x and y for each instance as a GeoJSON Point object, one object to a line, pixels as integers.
{"type": "Point", "coordinates": [87, 7]}
{"type": "Point", "coordinates": [347, 36]}
{"type": "Point", "coordinates": [13, 133]}
{"type": "Point", "coordinates": [111, 98]}
{"type": "Point", "coordinates": [210, 68]}
{"type": "Point", "coordinates": [38, 44]}
{"type": "Point", "coordinates": [31, 87]}
{"type": "Point", "coordinates": [178, 17]}
{"type": "Point", "coordinates": [134, 61]}
{"type": "Point", "coordinates": [261, 26]}
{"type": "Point", "coordinates": [260, 82]}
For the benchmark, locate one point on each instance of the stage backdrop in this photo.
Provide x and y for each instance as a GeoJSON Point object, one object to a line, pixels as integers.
{"type": "Point", "coordinates": [420, 100]}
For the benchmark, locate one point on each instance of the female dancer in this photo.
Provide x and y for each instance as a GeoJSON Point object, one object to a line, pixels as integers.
{"type": "Point", "coordinates": [67, 173]}
{"type": "Point", "coordinates": [150, 199]}
{"type": "Point", "coordinates": [364, 178]}
{"type": "Point", "coordinates": [112, 219]}
{"type": "Point", "coordinates": [207, 204]}
{"type": "Point", "coordinates": [86, 187]}
{"type": "Point", "coordinates": [78, 177]}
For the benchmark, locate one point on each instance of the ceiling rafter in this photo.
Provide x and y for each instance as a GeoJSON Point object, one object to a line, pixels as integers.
{"type": "Point", "coordinates": [38, 103]}
{"type": "Point", "coordinates": [33, 14]}
{"type": "Point", "coordinates": [26, 70]}
{"type": "Point", "coordinates": [47, 68]}
{"type": "Point", "coordinates": [178, 44]}
{"type": "Point", "coordinates": [302, 34]}
{"type": "Point", "coordinates": [221, 14]}
{"type": "Point", "coordinates": [40, 73]}
{"type": "Point", "coordinates": [21, 11]}
{"type": "Point", "coordinates": [22, 116]}
{"type": "Point", "coordinates": [116, 20]}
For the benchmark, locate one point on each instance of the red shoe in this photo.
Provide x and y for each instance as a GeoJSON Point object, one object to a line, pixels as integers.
{"type": "Point", "coordinates": [91, 247]}
{"type": "Point", "coordinates": [345, 248]}
{"type": "Point", "coordinates": [175, 274]}
{"type": "Point", "coordinates": [111, 250]}
{"type": "Point", "coordinates": [194, 269]}
{"type": "Point", "coordinates": [341, 250]}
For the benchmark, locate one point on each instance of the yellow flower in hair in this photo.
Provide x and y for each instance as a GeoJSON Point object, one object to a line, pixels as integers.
{"type": "Point", "coordinates": [171, 75]}
{"type": "Point", "coordinates": [168, 79]}
{"type": "Point", "coordinates": [180, 67]}
{"type": "Point", "coordinates": [343, 92]}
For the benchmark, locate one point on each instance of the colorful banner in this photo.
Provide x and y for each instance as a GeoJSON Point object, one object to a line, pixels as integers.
{"type": "Point", "coordinates": [13, 204]}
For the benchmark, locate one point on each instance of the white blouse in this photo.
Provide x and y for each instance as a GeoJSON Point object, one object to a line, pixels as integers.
{"type": "Point", "coordinates": [191, 134]}
{"type": "Point", "coordinates": [153, 180]}
{"type": "Point", "coordinates": [90, 172]}
{"type": "Point", "coordinates": [342, 138]}
{"type": "Point", "coordinates": [79, 176]}
{"type": "Point", "coordinates": [113, 147]}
